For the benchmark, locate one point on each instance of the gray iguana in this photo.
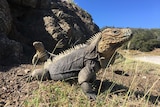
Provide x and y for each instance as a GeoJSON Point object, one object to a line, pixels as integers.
{"type": "Point", "coordinates": [41, 54]}
{"type": "Point", "coordinates": [85, 60]}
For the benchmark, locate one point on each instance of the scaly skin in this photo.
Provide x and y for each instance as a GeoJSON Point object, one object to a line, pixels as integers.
{"type": "Point", "coordinates": [84, 61]}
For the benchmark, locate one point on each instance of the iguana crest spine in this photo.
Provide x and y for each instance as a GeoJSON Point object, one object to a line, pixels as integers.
{"type": "Point", "coordinates": [92, 41]}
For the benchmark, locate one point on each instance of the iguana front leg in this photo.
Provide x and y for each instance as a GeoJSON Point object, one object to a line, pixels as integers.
{"type": "Point", "coordinates": [35, 59]}
{"type": "Point", "coordinates": [40, 74]}
{"type": "Point", "coordinates": [85, 78]}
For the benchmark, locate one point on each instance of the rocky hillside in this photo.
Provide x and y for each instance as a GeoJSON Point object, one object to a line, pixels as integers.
{"type": "Point", "coordinates": [41, 20]}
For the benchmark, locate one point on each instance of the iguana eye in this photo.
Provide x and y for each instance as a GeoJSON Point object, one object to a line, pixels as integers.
{"type": "Point", "coordinates": [116, 32]}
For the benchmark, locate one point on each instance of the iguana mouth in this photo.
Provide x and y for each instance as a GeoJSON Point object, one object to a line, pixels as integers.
{"type": "Point", "coordinates": [127, 35]}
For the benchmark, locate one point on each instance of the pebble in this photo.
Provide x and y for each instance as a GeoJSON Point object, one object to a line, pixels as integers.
{"type": "Point", "coordinates": [26, 71]}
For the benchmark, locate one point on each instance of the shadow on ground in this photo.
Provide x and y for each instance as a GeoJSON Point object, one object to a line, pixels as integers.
{"type": "Point", "coordinates": [120, 89]}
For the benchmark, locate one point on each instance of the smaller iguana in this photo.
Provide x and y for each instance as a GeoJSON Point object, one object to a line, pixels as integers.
{"type": "Point", "coordinates": [41, 54]}
{"type": "Point", "coordinates": [85, 60]}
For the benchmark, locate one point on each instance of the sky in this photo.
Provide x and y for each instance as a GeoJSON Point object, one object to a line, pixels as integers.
{"type": "Point", "coordinates": [123, 13]}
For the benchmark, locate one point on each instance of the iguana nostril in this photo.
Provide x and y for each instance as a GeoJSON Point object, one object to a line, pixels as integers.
{"type": "Point", "coordinates": [129, 31]}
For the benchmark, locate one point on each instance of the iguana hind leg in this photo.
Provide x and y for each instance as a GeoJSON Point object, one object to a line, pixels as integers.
{"type": "Point", "coordinates": [40, 74]}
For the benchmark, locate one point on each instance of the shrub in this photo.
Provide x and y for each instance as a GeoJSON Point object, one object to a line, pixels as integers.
{"type": "Point", "coordinates": [144, 40]}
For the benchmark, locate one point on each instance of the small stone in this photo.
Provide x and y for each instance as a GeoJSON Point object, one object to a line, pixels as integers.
{"type": "Point", "coordinates": [2, 104]}
{"type": "Point", "coordinates": [27, 71]}
{"type": "Point", "coordinates": [4, 88]}
{"type": "Point", "coordinates": [144, 77]}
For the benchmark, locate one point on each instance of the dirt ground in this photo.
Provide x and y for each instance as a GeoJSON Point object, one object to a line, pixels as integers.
{"type": "Point", "coordinates": [14, 90]}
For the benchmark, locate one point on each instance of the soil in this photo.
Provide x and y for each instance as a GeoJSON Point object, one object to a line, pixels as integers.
{"type": "Point", "coordinates": [14, 89]}
{"type": "Point", "coordinates": [150, 59]}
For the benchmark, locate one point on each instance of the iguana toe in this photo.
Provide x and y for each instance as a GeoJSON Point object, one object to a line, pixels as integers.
{"type": "Point", "coordinates": [91, 96]}
{"type": "Point", "coordinates": [40, 74]}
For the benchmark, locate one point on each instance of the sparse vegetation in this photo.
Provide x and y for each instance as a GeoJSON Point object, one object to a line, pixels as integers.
{"type": "Point", "coordinates": [126, 83]}
{"type": "Point", "coordinates": [137, 88]}
{"type": "Point", "coordinates": [145, 40]}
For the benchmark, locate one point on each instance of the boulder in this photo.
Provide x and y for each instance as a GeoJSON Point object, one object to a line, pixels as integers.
{"type": "Point", "coordinates": [60, 20]}
{"type": "Point", "coordinates": [10, 50]}
{"type": "Point", "coordinates": [48, 21]}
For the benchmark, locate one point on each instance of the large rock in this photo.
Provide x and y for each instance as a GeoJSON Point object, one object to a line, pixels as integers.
{"type": "Point", "coordinates": [5, 17]}
{"type": "Point", "coordinates": [49, 21]}
{"type": "Point", "coordinates": [10, 50]}
{"type": "Point", "coordinates": [60, 20]}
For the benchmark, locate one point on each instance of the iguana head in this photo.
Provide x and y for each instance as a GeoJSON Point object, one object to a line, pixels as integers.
{"type": "Point", "coordinates": [38, 46]}
{"type": "Point", "coordinates": [113, 38]}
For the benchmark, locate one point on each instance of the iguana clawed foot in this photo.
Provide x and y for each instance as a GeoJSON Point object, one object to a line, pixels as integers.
{"type": "Point", "coordinates": [91, 96]}
{"type": "Point", "coordinates": [37, 74]}
{"type": "Point", "coordinates": [40, 74]}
